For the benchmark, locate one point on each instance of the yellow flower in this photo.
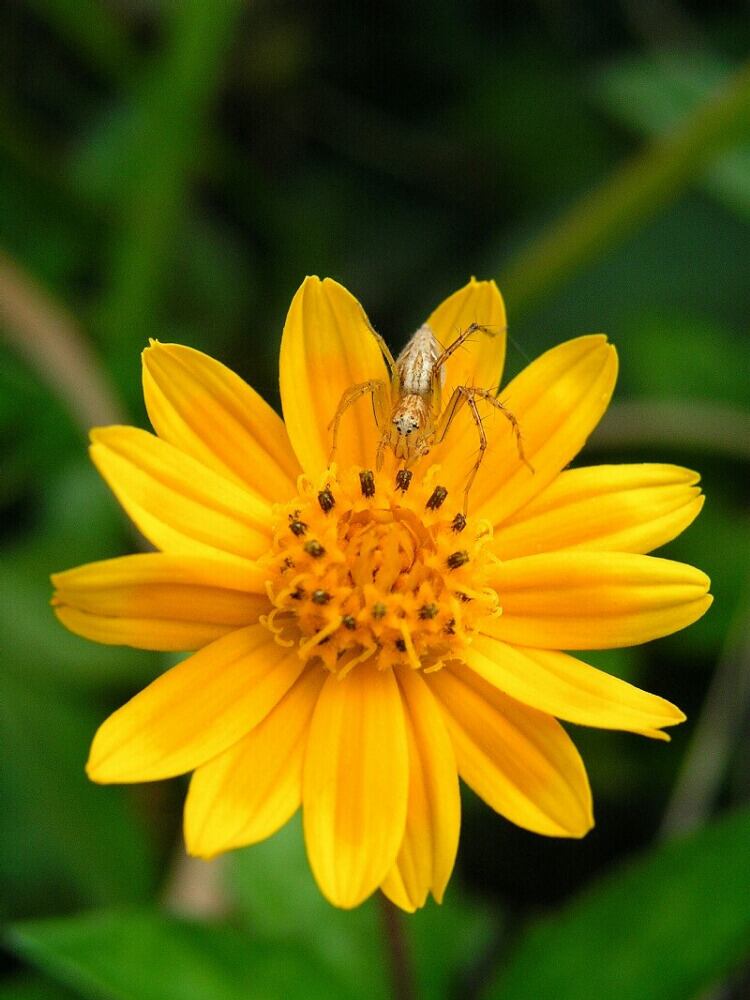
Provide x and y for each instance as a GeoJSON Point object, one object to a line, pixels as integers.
{"type": "Point", "coordinates": [359, 643]}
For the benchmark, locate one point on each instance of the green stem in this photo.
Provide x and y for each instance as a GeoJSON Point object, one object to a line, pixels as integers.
{"type": "Point", "coordinates": [633, 193]}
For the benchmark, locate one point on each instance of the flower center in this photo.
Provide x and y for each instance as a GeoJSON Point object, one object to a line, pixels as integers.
{"type": "Point", "coordinates": [365, 568]}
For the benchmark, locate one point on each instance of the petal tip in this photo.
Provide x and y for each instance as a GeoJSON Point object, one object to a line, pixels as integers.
{"type": "Point", "coordinates": [195, 846]}
{"type": "Point", "coordinates": [586, 828]}
{"type": "Point", "coordinates": [95, 773]}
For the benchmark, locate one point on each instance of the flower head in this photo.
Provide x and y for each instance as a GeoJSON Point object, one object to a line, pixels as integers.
{"type": "Point", "coordinates": [362, 641]}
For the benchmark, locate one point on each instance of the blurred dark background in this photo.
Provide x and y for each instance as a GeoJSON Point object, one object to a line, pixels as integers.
{"type": "Point", "coordinates": [174, 170]}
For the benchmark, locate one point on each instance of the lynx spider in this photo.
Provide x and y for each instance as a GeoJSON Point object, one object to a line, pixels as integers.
{"type": "Point", "coordinates": [408, 409]}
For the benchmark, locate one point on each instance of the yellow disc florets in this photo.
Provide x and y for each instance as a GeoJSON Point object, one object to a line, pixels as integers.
{"type": "Point", "coordinates": [369, 569]}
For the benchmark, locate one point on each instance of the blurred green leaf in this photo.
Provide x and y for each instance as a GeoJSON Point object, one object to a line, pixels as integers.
{"type": "Point", "coordinates": [154, 148]}
{"type": "Point", "coordinates": [153, 956]}
{"type": "Point", "coordinates": [33, 988]}
{"type": "Point", "coordinates": [662, 928]}
{"type": "Point", "coordinates": [633, 193]}
{"type": "Point", "coordinates": [273, 885]}
{"type": "Point", "coordinates": [38, 225]}
{"type": "Point", "coordinates": [653, 94]}
{"type": "Point", "coordinates": [64, 835]}
{"type": "Point", "coordinates": [448, 941]}
{"type": "Point", "coordinates": [676, 356]}
{"type": "Point", "coordinates": [92, 28]}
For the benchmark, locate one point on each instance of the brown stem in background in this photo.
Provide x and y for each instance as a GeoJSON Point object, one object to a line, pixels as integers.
{"type": "Point", "coordinates": [692, 424]}
{"type": "Point", "coordinates": [43, 332]}
{"type": "Point", "coordinates": [194, 887]}
{"type": "Point", "coordinates": [716, 733]}
{"type": "Point", "coordinates": [397, 946]}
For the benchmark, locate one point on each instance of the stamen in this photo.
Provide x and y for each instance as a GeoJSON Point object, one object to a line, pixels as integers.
{"type": "Point", "coordinates": [403, 479]}
{"type": "Point", "coordinates": [408, 647]}
{"type": "Point", "coordinates": [369, 650]}
{"type": "Point", "coordinates": [353, 580]}
{"type": "Point", "coordinates": [319, 637]}
{"type": "Point", "coordinates": [456, 559]}
{"type": "Point", "coordinates": [269, 621]}
{"type": "Point", "coordinates": [367, 483]}
{"type": "Point", "coordinates": [437, 498]}
{"type": "Point", "coordinates": [326, 500]}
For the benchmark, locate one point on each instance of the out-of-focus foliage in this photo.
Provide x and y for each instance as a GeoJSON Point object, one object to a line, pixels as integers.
{"type": "Point", "coordinates": [173, 170]}
{"type": "Point", "coordinates": [637, 917]}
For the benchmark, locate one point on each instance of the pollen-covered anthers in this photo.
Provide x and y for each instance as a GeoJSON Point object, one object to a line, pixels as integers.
{"type": "Point", "coordinates": [380, 570]}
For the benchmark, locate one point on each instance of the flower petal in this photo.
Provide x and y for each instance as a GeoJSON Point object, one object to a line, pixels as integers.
{"type": "Point", "coordinates": [557, 401]}
{"type": "Point", "coordinates": [195, 710]}
{"type": "Point", "coordinates": [159, 601]}
{"type": "Point", "coordinates": [433, 819]}
{"type": "Point", "coordinates": [594, 600]}
{"type": "Point", "coordinates": [328, 347]}
{"type": "Point", "coordinates": [520, 761]}
{"type": "Point", "coordinates": [355, 784]}
{"type": "Point", "coordinates": [176, 502]}
{"type": "Point", "coordinates": [210, 413]}
{"type": "Point", "coordinates": [249, 791]}
{"type": "Point", "coordinates": [613, 508]}
{"type": "Point", "coordinates": [141, 633]}
{"type": "Point", "coordinates": [480, 360]}
{"type": "Point", "coordinates": [559, 684]}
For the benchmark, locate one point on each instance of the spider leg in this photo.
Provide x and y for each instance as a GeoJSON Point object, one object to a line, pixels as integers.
{"type": "Point", "coordinates": [379, 392]}
{"type": "Point", "coordinates": [461, 340]}
{"type": "Point", "coordinates": [468, 395]}
{"type": "Point", "coordinates": [494, 401]}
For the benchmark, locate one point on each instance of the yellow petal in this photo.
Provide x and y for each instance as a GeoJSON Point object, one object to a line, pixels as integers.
{"type": "Point", "coordinates": [428, 851]}
{"type": "Point", "coordinates": [159, 601]}
{"type": "Point", "coordinates": [594, 600]}
{"type": "Point", "coordinates": [249, 791]}
{"type": "Point", "coordinates": [195, 710]}
{"type": "Point", "coordinates": [141, 633]}
{"type": "Point", "coordinates": [480, 361]}
{"type": "Point", "coordinates": [208, 412]}
{"type": "Point", "coordinates": [355, 784]}
{"type": "Point", "coordinates": [560, 685]}
{"type": "Point", "coordinates": [178, 504]}
{"type": "Point", "coordinates": [520, 761]}
{"type": "Point", "coordinates": [612, 508]}
{"type": "Point", "coordinates": [557, 400]}
{"type": "Point", "coordinates": [327, 348]}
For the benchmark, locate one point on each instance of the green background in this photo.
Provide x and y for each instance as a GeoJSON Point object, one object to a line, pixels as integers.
{"type": "Point", "coordinates": [173, 170]}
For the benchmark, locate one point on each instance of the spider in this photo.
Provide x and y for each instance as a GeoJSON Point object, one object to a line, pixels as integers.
{"type": "Point", "coordinates": [408, 410]}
